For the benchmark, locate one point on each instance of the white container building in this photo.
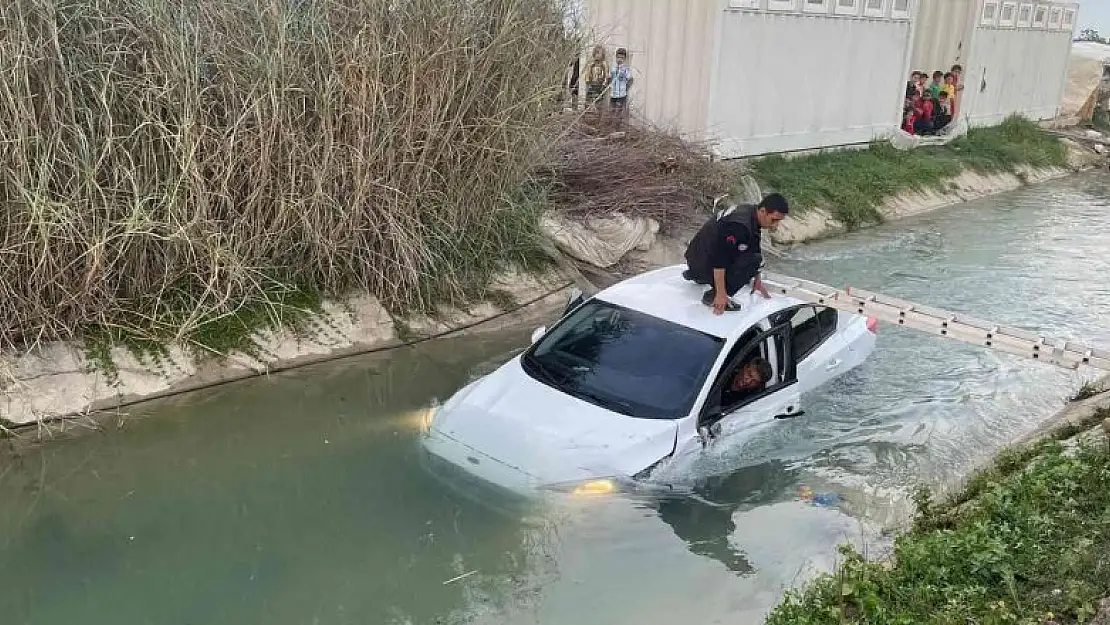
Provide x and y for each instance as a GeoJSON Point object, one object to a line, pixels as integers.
{"type": "Point", "coordinates": [767, 76]}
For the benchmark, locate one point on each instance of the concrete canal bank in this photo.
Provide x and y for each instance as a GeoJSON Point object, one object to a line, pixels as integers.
{"type": "Point", "coordinates": [64, 379]}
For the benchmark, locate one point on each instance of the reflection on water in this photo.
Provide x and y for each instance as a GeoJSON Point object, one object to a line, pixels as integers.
{"type": "Point", "coordinates": [704, 519]}
{"type": "Point", "coordinates": [300, 498]}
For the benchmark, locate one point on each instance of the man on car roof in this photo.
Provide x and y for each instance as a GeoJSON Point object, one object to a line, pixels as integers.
{"type": "Point", "coordinates": [726, 254]}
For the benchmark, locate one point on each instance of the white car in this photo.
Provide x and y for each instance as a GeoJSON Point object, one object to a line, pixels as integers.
{"type": "Point", "coordinates": [632, 378]}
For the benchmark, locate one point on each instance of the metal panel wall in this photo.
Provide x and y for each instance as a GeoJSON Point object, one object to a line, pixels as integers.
{"type": "Point", "coordinates": [796, 81]}
{"type": "Point", "coordinates": [1017, 69]}
{"type": "Point", "coordinates": [670, 45]}
{"type": "Point", "coordinates": [943, 33]}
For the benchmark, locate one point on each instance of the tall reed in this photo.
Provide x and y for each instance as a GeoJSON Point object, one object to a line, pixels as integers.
{"type": "Point", "coordinates": [164, 163]}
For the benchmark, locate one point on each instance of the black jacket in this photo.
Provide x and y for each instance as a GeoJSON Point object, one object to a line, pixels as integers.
{"type": "Point", "coordinates": [729, 236]}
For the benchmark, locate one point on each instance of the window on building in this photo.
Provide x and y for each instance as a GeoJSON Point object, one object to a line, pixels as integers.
{"type": "Point", "coordinates": [875, 8]}
{"type": "Point", "coordinates": [847, 7]}
{"type": "Point", "coordinates": [1025, 15]}
{"type": "Point", "coordinates": [743, 4]}
{"type": "Point", "coordinates": [1040, 16]}
{"type": "Point", "coordinates": [901, 9]}
{"type": "Point", "coordinates": [817, 6]}
{"type": "Point", "coordinates": [1009, 11]}
{"type": "Point", "coordinates": [990, 14]}
{"type": "Point", "coordinates": [1069, 18]}
{"type": "Point", "coordinates": [1055, 17]}
{"type": "Point", "coordinates": [782, 5]}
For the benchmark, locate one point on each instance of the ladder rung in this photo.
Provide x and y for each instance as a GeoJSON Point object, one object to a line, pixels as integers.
{"type": "Point", "coordinates": [942, 322]}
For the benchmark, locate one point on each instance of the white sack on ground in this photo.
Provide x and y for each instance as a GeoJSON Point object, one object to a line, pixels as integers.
{"type": "Point", "coordinates": [600, 241]}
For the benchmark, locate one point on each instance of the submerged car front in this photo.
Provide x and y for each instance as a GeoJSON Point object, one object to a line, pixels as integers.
{"type": "Point", "coordinates": [589, 406]}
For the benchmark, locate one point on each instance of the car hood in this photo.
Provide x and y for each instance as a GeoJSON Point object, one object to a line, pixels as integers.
{"type": "Point", "coordinates": [553, 437]}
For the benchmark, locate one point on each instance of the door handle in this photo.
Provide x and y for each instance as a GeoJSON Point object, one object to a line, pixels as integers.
{"type": "Point", "coordinates": [833, 365]}
{"type": "Point", "coordinates": [790, 415]}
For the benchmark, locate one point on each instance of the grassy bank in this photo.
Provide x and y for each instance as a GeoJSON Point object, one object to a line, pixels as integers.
{"type": "Point", "coordinates": [192, 170]}
{"type": "Point", "coordinates": [852, 185]}
{"type": "Point", "coordinates": [1028, 542]}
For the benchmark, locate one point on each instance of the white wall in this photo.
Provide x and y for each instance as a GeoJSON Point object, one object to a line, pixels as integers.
{"type": "Point", "coordinates": [670, 45]}
{"type": "Point", "coordinates": [1015, 66]}
{"type": "Point", "coordinates": [796, 80]}
{"type": "Point", "coordinates": [942, 34]}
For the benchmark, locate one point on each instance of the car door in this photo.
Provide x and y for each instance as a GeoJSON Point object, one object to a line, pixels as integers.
{"type": "Point", "coordinates": [817, 345]}
{"type": "Point", "coordinates": [778, 399]}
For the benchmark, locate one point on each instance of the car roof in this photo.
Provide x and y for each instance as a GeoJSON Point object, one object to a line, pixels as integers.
{"type": "Point", "coordinates": [665, 294]}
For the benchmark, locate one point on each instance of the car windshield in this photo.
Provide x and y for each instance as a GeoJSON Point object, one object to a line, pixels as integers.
{"type": "Point", "coordinates": [625, 361]}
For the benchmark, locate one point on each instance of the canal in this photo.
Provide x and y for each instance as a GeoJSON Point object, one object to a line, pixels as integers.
{"type": "Point", "coordinates": [297, 499]}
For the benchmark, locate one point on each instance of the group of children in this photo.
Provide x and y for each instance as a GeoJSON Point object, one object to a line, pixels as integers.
{"type": "Point", "coordinates": [602, 80]}
{"type": "Point", "coordinates": [930, 106]}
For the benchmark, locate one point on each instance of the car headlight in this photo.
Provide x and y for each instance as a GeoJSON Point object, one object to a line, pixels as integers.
{"type": "Point", "coordinates": [588, 488]}
{"type": "Point", "coordinates": [426, 417]}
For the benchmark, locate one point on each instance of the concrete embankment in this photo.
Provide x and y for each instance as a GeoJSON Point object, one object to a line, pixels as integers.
{"type": "Point", "coordinates": [59, 380]}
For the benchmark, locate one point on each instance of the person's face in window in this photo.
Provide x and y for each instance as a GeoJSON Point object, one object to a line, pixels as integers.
{"type": "Point", "coordinates": [747, 380]}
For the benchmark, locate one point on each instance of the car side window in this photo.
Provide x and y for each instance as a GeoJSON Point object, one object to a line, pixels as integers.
{"type": "Point", "coordinates": [770, 347]}
{"type": "Point", "coordinates": [812, 326]}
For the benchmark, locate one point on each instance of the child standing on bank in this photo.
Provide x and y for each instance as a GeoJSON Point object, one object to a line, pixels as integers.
{"type": "Point", "coordinates": [597, 77]}
{"type": "Point", "coordinates": [620, 82]}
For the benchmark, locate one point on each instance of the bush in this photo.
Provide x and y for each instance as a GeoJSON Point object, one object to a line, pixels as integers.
{"type": "Point", "coordinates": [167, 163]}
{"type": "Point", "coordinates": [1034, 548]}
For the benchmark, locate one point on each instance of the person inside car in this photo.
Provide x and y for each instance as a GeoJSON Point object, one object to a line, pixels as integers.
{"type": "Point", "coordinates": [750, 379]}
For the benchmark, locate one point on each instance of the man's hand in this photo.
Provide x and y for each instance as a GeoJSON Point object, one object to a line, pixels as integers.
{"type": "Point", "coordinates": [720, 301]}
{"type": "Point", "coordinates": [720, 293]}
{"type": "Point", "coordinates": [759, 286]}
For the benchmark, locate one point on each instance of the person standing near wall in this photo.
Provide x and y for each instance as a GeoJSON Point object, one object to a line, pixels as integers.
{"type": "Point", "coordinates": [620, 82]}
{"type": "Point", "coordinates": [597, 78]}
{"type": "Point", "coordinates": [957, 98]}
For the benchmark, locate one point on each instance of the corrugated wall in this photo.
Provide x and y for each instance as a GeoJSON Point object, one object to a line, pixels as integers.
{"type": "Point", "coordinates": [942, 35]}
{"type": "Point", "coordinates": [795, 81]}
{"type": "Point", "coordinates": [1017, 69]}
{"type": "Point", "coordinates": [1024, 72]}
{"type": "Point", "coordinates": [670, 43]}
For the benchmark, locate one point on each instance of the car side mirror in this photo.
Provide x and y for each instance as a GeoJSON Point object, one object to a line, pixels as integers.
{"type": "Point", "coordinates": [538, 333]}
{"type": "Point", "coordinates": [713, 415]}
{"type": "Point", "coordinates": [575, 299]}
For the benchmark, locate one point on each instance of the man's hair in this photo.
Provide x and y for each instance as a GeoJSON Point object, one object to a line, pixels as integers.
{"type": "Point", "coordinates": [762, 367]}
{"type": "Point", "coordinates": [775, 202]}
{"type": "Point", "coordinates": [622, 52]}
{"type": "Point", "coordinates": [957, 68]}
{"type": "Point", "coordinates": [938, 74]}
{"type": "Point", "coordinates": [949, 75]}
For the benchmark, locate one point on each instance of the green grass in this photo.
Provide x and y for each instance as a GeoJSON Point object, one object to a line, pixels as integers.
{"type": "Point", "coordinates": [209, 336]}
{"type": "Point", "coordinates": [1035, 546]}
{"type": "Point", "coordinates": [854, 184]}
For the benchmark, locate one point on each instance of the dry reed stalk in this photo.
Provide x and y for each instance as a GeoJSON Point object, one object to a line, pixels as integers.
{"type": "Point", "coordinates": [641, 171]}
{"type": "Point", "coordinates": [164, 163]}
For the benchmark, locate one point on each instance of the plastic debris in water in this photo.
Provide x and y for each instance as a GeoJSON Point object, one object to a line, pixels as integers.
{"type": "Point", "coordinates": [807, 495]}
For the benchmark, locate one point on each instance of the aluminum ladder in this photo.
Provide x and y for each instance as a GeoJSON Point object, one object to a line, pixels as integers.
{"type": "Point", "coordinates": [940, 322]}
